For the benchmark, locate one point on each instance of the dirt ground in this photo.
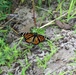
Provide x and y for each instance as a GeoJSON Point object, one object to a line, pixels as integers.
{"type": "Point", "coordinates": [65, 40]}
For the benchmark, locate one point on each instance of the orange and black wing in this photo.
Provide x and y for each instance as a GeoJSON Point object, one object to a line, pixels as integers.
{"type": "Point", "coordinates": [29, 37]}
{"type": "Point", "coordinates": [33, 38]}
{"type": "Point", "coordinates": [41, 38]}
{"type": "Point", "coordinates": [38, 39]}
{"type": "Point", "coordinates": [35, 41]}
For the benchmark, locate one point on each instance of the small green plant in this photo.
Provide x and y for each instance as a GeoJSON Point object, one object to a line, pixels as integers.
{"type": "Point", "coordinates": [26, 50]}
{"type": "Point", "coordinates": [10, 73]}
{"type": "Point", "coordinates": [1, 71]}
{"type": "Point", "coordinates": [62, 73]}
{"type": "Point", "coordinates": [5, 8]}
{"type": "Point", "coordinates": [26, 67]}
{"type": "Point", "coordinates": [70, 7]}
{"type": "Point", "coordinates": [38, 30]}
{"type": "Point", "coordinates": [53, 50]}
{"type": "Point", "coordinates": [7, 54]}
{"type": "Point", "coordinates": [40, 2]}
{"type": "Point", "coordinates": [47, 2]}
{"type": "Point", "coordinates": [22, 1]}
{"type": "Point", "coordinates": [60, 7]}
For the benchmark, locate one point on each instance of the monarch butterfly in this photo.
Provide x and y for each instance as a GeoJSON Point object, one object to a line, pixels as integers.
{"type": "Point", "coordinates": [33, 38]}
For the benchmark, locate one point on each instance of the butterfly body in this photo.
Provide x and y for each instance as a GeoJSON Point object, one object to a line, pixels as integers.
{"type": "Point", "coordinates": [34, 38]}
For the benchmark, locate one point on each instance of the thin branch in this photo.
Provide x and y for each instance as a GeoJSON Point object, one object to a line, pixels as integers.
{"type": "Point", "coordinates": [56, 19]}
{"type": "Point", "coordinates": [53, 21]}
{"type": "Point", "coordinates": [8, 20]}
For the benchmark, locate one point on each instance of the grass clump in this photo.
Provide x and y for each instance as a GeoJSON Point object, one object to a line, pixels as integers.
{"type": "Point", "coordinates": [5, 8]}
{"type": "Point", "coordinates": [7, 54]}
{"type": "Point", "coordinates": [26, 67]}
{"type": "Point", "coordinates": [43, 62]}
{"type": "Point", "coordinates": [70, 7]}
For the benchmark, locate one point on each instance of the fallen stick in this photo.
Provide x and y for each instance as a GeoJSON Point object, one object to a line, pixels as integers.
{"type": "Point", "coordinates": [53, 21]}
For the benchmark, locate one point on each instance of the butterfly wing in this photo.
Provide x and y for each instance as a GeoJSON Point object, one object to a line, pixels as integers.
{"type": "Point", "coordinates": [29, 37]}
{"type": "Point", "coordinates": [38, 39]}
{"type": "Point", "coordinates": [41, 38]}
{"type": "Point", "coordinates": [35, 41]}
{"type": "Point", "coordinates": [33, 38]}
{"type": "Point", "coordinates": [30, 40]}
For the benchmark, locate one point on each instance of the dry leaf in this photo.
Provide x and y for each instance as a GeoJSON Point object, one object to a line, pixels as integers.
{"type": "Point", "coordinates": [63, 25]}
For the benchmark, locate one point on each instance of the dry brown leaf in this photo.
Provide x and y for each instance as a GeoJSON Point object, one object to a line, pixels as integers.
{"type": "Point", "coordinates": [63, 25]}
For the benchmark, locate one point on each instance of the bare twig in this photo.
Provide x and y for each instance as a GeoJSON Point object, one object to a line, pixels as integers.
{"type": "Point", "coordinates": [8, 21]}
{"type": "Point", "coordinates": [53, 20]}
{"type": "Point", "coordinates": [56, 19]}
{"type": "Point", "coordinates": [41, 8]}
